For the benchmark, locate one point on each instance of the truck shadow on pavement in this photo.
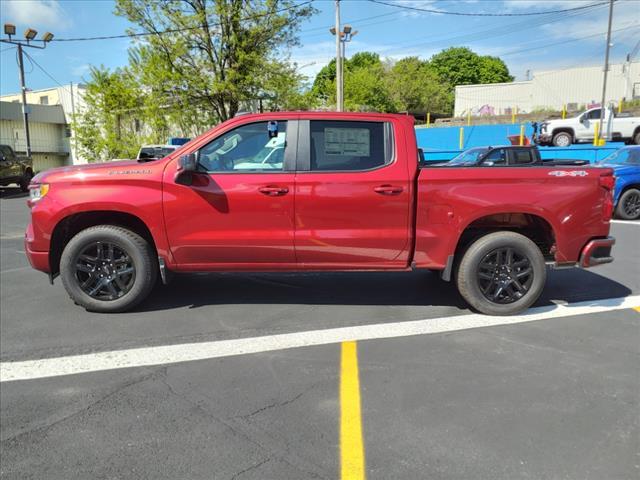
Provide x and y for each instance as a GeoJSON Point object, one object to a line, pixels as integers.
{"type": "Point", "coordinates": [356, 288]}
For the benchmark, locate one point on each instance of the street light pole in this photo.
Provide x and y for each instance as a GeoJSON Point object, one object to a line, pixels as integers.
{"type": "Point", "coordinates": [339, 92]}
{"type": "Point", "coordinates": [30, 36]}
{"type": "Point", "coordinates": [25, 108]}
{"type": "Point", "coordinates": [606, 71]}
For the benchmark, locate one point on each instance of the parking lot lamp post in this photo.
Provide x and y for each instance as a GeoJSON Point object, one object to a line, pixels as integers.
{"type": "Point", "coordinates": [29, 36]}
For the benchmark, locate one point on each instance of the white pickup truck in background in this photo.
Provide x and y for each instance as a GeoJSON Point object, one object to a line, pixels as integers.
{"type": "Point", "coordinates": [562, 133]}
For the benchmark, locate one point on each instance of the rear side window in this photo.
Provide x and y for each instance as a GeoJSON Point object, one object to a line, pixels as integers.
{"type": "Point", "coordinates": [350, 146]}
{"type": "Point", "coordinates": [521, 157]}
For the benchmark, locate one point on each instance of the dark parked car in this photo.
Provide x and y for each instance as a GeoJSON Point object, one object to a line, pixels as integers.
{"type": "Point", "coordinates": [14, 169]}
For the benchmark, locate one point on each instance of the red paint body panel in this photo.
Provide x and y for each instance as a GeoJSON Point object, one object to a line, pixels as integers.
{"type": "Point", "coordinates": [326, 220]}
{"type": "Point", "coordinates": [573, 206]}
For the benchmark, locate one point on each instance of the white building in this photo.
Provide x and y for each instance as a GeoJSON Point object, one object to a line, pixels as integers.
{"type": "Point", "coordinates": [572, 87]}
{"type": "Point", "coordinates": [50, 120]}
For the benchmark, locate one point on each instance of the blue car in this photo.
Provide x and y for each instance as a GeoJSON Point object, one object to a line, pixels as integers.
{"type": "Point", "coordinates": [626, 196]}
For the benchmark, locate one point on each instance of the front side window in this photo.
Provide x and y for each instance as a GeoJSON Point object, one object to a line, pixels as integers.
{"type": "Point", "coordinates": [594, 114]}
{"type": "Point", "coordinates": [349, 146]}
{"type": "Point", "coordinates": [248, 148]}
{"type": "Point", "coordinates": [495, 157]}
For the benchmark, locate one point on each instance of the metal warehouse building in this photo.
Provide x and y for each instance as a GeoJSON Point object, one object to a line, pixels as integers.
{"type": "Point", "coordinates": [551, 89]}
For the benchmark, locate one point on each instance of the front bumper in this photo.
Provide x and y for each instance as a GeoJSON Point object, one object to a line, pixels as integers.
{"type": "Point", "coordinates": [597, 252]}
{"type": "Point", "coordinates": [38, 259]}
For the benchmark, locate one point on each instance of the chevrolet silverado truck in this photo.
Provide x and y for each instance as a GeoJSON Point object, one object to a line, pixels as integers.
{"type": "Point", "coordinates": [314, 191]}
{"type": "Point", "coordinates": [616, 128]}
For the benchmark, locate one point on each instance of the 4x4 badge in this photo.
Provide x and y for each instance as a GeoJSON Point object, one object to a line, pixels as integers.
{"type": "Point", "coordinates": [569, 173]}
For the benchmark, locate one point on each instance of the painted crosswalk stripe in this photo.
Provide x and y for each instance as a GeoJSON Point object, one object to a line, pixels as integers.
{"type": "Point", "coordinates": [187, 352]}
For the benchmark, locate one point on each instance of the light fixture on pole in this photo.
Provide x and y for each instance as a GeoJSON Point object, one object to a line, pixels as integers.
{"type": "Point", "coordinates": [345, 35]}
{"type": "Point", "coordinates": [29, 37]}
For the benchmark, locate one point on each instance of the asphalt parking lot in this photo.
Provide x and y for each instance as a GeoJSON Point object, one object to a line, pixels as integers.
{"type": "Point", "coordinates": [259, 376]}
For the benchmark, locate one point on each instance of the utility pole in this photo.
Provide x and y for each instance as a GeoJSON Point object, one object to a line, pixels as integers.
{"type": "Point", "coordinates": [606, 71]}
{"type": "Point", "coordinates": [29, 36]}
{"type": "Point", "coordinates": [339, 92]}
{"type": "Point", "coordinates": [25, 107]}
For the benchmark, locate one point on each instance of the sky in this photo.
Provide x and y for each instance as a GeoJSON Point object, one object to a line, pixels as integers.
{"type": "Point", "coordinates": [533, 43]}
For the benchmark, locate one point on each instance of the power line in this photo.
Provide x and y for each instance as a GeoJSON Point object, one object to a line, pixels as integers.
{"type": "Point", "coordinates": [495, 31]}
{"type": "Point", "coordinates": [467, 14]}
{"type": "Point", "coordinates": [45, 72]}
{"type": "Point", "coordinates": [177, 30]}
{"type": "Point", "coordinates": [515, 52]}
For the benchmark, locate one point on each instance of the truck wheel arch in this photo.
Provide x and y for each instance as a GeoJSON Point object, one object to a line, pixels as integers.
{"type": "Point", "coordinates": [533, 226]}
{"type": "Point", "coordinates": [72, 224]}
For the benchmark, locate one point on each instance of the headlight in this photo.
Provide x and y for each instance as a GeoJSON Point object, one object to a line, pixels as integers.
{"type": "Point", "coordinates": [36, 192]}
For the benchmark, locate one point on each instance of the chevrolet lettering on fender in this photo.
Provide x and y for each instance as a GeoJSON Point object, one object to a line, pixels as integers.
{"type": "Point", "coordinates": [315, 191]}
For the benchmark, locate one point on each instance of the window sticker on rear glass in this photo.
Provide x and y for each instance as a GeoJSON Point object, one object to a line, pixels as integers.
{"type": "Point", "coordinates": [346, 141]}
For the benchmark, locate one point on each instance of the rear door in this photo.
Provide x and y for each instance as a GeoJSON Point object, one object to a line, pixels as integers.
{"type": "Point", "coordinates": [353, 195]}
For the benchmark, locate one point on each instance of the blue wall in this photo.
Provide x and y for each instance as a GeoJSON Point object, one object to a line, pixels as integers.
{"type": "Point", "coordinates": [442, 143]}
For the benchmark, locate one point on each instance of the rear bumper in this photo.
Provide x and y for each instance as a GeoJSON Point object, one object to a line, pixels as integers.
{"type": "Point", "coordinates": [597, 252]}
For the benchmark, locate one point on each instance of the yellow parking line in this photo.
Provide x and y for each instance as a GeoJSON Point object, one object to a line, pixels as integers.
{"type": "Point", "coordinates": [637, 309]}
{"type": "Point", "coordinates": [351, 445]}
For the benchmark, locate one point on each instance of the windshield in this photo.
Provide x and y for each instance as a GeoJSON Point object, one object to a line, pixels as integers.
{"type": "Point", "coordinates": [624, 156]}
{"type": "Point", "coordinates": [468, 157]}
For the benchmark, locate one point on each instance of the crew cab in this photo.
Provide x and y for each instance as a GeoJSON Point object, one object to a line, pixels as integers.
{"type": "Point", "coordinates": [582, 128]}
{"type": "Point", "coordinates": [314, 191]}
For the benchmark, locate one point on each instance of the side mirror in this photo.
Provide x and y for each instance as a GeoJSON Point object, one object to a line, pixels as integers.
{"type": "Point", "coordinates": [187, 166]}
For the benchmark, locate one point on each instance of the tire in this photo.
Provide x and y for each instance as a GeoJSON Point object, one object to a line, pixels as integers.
{"type": "Point", "coordinates": [24, 181]}
{"type": "Point", "coordinates": [132, 271]}
{"type": "Point", "coordinates": [472, 273]}
{"type": "Point", "coordinates": [628, 207]}
{"type": "Point", "coordinates": [562, 139]}
{"type": "Point", "coordinates": [636, 137]}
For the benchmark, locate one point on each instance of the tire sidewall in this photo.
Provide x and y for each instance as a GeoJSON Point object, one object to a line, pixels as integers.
{"type": "Point", "coordinates": [620, 213]}
{"type": "Point", "coordinates": [467, 273]}
{"type": "Point", "coordinates": [123, 239]}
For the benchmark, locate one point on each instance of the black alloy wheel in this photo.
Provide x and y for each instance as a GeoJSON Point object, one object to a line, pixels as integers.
{"type": "Point", "coordinates": [631, 204]}
{"type": "Point", "coordinates": [105, 271]}
{"type": "Point", "coordinates": [505, 275]}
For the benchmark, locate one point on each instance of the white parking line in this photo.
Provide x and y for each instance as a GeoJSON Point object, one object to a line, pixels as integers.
{"type": "Point", "coordinates": [627, 222]}
{"type": "Point", "coordinates": [187, 352]}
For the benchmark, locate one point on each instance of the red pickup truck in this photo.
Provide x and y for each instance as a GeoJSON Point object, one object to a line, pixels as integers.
{"type": "Point", "coordinates": [315, 191]}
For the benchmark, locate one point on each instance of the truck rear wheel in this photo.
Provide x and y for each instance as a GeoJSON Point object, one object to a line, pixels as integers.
{"type": "Point", "coordinates": [502, 273]}
{"type": "Point", "coordinates": [562, 139]}
{"type": "Point", "coordinates": [108, 269]}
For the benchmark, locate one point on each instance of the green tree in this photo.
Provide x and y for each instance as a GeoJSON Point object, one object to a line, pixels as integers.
{"type": "Point", "coordinates": [109, 125]}
{"type": "Point", "coordinates": [462, 66]}
{"type": "Point", "coordinates": [415, 87]}
{"type": "Point", "coordinates": [207, 57]}
{"type": "Point", "coordinates": [364, 84]}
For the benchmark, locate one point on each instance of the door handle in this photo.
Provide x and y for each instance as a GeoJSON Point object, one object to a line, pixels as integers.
{"type": "Point", "coordinates": [272, 191]}
{"type": "Point", "coordinates": [388, 190]}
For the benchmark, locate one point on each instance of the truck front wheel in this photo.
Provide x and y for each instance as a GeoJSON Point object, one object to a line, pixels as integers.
{"type": "Point", "coordinates": [502, 273]}
{"type": "Point", "coordinates": [562, 139]}
{"type": "Point", "coordinates": [108, 268]}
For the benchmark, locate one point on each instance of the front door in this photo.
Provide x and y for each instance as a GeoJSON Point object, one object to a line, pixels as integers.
{"type": "Point", "coordinates": [238, 214]}
{"type": "Point", "coordinates": [352, 197]}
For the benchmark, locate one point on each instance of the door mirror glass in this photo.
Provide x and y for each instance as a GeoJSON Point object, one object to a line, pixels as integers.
{"type": "Point", "coordinates": [187, 166]}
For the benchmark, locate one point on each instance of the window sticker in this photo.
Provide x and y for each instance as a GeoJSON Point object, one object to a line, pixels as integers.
{"type": "Point", "coordinates": [347, 141]}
